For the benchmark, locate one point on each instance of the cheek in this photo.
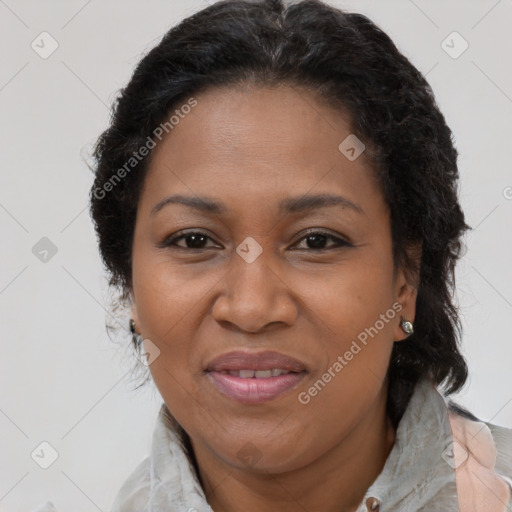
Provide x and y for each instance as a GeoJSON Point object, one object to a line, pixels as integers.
{"type": "Point", "coordinates": [167, 311]}
{"type": "Point", "coordinates": [167, 296]}
{"type": "Point", "coordinates": [172, 304]}
{"type": "Point", "coordinates": [353, 296]}
{"type": "Point", "coordinates": [356, 306]}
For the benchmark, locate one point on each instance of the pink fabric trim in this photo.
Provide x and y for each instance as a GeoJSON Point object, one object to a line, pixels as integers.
{"type": "Point", "coordinates": [479, 487]}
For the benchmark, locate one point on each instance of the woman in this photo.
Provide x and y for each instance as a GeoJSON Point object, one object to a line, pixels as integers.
{"type": "Point", "coordinates": [276, 200]}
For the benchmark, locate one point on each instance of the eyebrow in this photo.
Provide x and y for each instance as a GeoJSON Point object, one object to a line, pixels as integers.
{"type": "Point", "coordinates": [286, 206]}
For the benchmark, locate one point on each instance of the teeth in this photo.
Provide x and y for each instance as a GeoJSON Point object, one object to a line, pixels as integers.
{"type": "Point", "coordinates": [258, 374]}
{"type": "Point", "coordinates": [263, 374]}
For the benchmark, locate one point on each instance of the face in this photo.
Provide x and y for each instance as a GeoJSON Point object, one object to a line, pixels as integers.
{"type": "Point", "coordinates": [259, 277]}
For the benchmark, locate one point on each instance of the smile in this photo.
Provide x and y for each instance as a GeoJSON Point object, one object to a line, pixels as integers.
{"type": "Point", "coordinates": [254, 378]}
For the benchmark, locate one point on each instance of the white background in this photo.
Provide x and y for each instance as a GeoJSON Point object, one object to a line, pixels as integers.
{"type": "Point", "coordinates": [62, 379]}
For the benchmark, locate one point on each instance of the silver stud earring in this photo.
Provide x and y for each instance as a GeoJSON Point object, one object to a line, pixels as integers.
{"type": "Point", "coordinates": [407, 326]}
{"type": "Point", "coordinates": [137, 338]}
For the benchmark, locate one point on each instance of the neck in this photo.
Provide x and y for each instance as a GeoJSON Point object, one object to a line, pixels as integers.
{"type": "Point", "coordinates": [336, 481]}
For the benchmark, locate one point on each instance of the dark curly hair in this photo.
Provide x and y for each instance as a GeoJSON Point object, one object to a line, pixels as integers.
{"type": "Point", "coordinates": [345, 59]}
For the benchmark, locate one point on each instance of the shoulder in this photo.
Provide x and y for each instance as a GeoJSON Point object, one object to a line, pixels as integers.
{"type": "Point", "coordinates": [482, 459]}
{"type": "Point", "coordinates": [501, 437]}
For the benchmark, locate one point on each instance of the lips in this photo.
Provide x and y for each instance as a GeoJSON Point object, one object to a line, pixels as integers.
{"type": "Point", "coordinates": [253, 378]}
{"type": "Point", "coordinates": [261, 361]}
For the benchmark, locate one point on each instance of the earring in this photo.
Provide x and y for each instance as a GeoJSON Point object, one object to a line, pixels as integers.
{"type": "Point", "coordinates": [137, 338]}
{"type": "Point", "coordinates": [407, 326]}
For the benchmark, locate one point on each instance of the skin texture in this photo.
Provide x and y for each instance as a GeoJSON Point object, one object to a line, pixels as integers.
{"type": "Point", "coordinates": [250, 148]}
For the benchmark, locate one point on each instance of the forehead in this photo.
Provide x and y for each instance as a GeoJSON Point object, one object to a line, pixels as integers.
{"type": "Point", "coordinates": [254, 143]}
{"type": "Point", "coordinates": [273, 123]}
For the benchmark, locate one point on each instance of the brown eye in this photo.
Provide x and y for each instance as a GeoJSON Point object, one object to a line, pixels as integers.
{"type": "Point", "coordinates": [192, 240]}
{"type": "Point", "coordinates": [316, 240]}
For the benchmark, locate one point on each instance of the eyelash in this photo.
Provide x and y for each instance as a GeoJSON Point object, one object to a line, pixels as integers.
{"type": "Point", "coordinates": [171, 241]}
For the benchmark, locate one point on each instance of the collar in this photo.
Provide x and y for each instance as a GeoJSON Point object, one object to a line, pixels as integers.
{"type": "Point", "coordinates": [417, 472]}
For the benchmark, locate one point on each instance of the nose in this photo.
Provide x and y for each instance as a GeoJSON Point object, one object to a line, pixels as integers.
{"type": "Point", "coordinates": [255, 295]}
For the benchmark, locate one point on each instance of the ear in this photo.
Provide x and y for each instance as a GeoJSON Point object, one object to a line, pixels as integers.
{"type": "Point", "coordinates": [406, 291]}
{"type": "Point", "coordinates": [134, 312]}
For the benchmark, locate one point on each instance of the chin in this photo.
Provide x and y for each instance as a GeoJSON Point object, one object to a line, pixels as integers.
{"type": "Point", "coordinates": [258, 455]}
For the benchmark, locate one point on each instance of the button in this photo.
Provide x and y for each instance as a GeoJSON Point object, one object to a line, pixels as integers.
{"type": "Point", "coordinates": [373, 504]}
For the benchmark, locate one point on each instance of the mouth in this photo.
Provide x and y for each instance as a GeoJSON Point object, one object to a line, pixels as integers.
{"type": "Point", "coordinates": [254, 378]}
{"type": "Point", "coordinates": [256, 374]}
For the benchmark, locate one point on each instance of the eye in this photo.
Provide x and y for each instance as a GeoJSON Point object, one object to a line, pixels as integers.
{"type": "Point", "coordinates": [316, 240]}
{"type": "Point", "coordinates": [197, 240]}
{"type": "Point", "coordinates": [193, 240]}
